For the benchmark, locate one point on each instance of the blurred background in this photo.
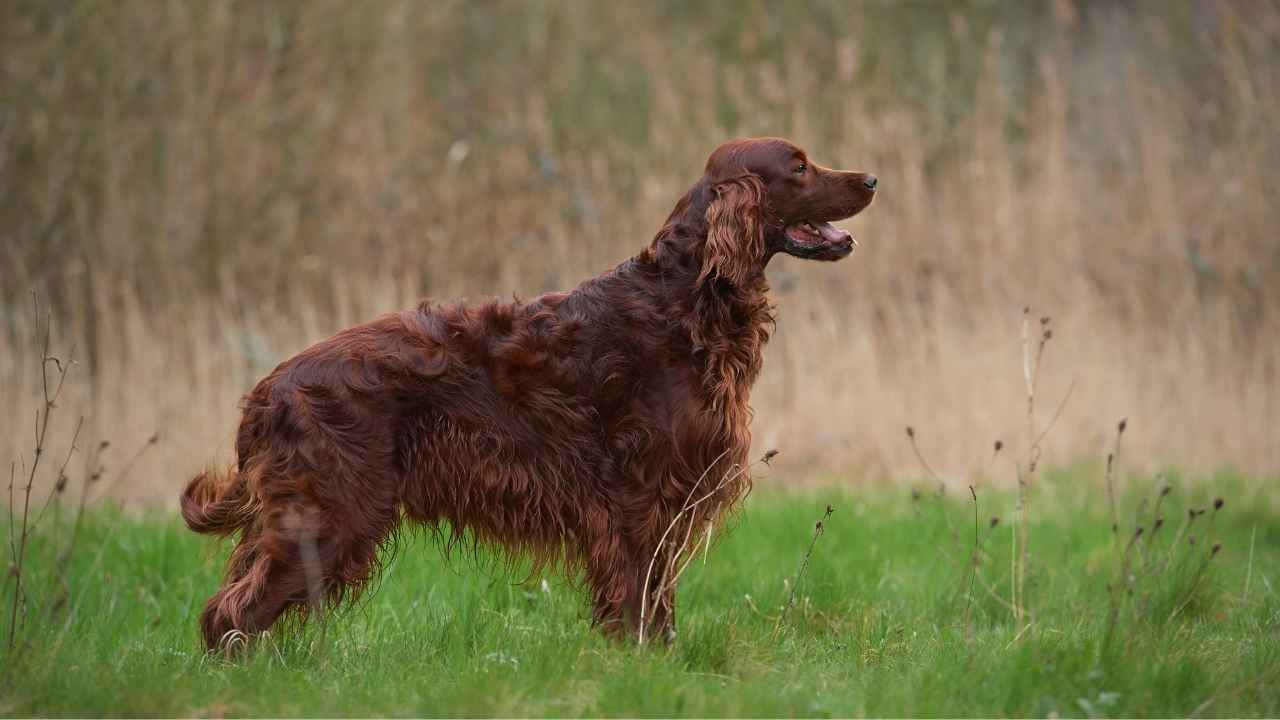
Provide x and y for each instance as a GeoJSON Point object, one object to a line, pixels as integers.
{"type": "Point", "coordinates": [199, 190]}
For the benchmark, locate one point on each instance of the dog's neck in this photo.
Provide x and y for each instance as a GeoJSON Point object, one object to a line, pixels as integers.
{"type": "Point", "coordinates": [727, 324]}
{"type": "Point", "coordinates": [677, 252]}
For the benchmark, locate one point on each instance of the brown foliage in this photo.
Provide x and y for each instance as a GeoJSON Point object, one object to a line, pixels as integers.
{"type": "Point", "coordinates": [203, 189]}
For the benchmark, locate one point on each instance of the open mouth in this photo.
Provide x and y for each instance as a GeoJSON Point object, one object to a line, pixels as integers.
{"type": "Point", "coordinates": [818, 240]}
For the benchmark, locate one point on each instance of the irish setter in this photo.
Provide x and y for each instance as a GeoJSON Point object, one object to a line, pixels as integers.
{"type": "Point", "coordinates": [575, 429]}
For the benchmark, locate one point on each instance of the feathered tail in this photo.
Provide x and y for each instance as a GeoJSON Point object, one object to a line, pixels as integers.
{"type": "Point", "coordinates": [217, 502]}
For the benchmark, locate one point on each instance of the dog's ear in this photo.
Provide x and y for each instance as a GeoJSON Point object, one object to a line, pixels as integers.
{"type": "Point", "coordinates": [735, 232]}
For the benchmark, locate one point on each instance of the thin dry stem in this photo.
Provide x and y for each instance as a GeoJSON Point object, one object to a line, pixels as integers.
{"type": "Point", "coordinates": [942, 486]}
{"type": "Point", "coordinates": [41, 435]}
{"type": "Point", "coordinates": [666, 583]}
{"type": "Point", "coordinates": [973, 563]}
{"type": "Point", "coordinates": [151, 441]}
{"type": "Point", "coordinates": [911, 436]}
{"type": "Point", "coordinates": [1117, 588]}
{"type": "Point", "coordinates": [1112, 460]}
{"type": "Point", "coordinates": [644, 597]}
{"type": "Point", "coordinates": [668, 579]}
{"type": "Point", "coordinates": [62, 474]}
{"type": "Point", "coordinates": [1195, 585]}
{"type": "Point", "coordinates": [818, 529]}
{"type": "Point", "coordinates": [1056, 414]}
{"type": "Point", "coordinates": [1248, 575]}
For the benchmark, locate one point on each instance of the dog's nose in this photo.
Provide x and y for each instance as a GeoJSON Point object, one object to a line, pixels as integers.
{"type": "Point", "coordinates": [869, 182]}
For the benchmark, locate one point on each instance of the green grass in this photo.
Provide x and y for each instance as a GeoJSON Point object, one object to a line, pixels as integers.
{"type": "Point", "coordinates": [882, 624]}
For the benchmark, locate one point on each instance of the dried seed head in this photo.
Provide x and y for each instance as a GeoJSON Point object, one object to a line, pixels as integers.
{"type": "Point", "coordinates": [1191, 540]}
{"type": "Point", "coordinates": [830, 510]}
{"type": "Point", "coordinates": [1026, 309]}
{"type": "Point", "coordinates": [1044, 320]}
{"type": "Point", "coordinates": [770, 456]}
{"type": "Point", "coordinates": [915, 494]}
{"type": "Point", "coordinates": [1124, 422]}
{"type": "Point", "coordinates": [1048, 334]}
{"type": "Point", "coordinates": [995, 520]}
{"type": "Point", "coordinates": [1217, 504]}
{"type": "Point", "coordinates": [104, 444]}
{"type": "Point", "coordinates": [911, 432]}
{"type": "Point", "coordinates": [61, 484]}
{"type": "Point", "coordinates": [999, 445]}
{"type": "Point", "coordinates": [1165, 490]}
{"type": "Point", "coordinates": [153, 439]}
{"type": "Point", "coordinates": [1158, 523]}
{"type": "Point", "coordinates": [1217, 547]}
{"type": "Point", "coordinates": [1137, 533]}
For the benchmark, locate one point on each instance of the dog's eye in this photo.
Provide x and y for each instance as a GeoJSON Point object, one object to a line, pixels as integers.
{"type": "Point", "coordinates": [800, 169]}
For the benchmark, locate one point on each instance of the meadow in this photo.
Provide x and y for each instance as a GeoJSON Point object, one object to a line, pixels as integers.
{"type": "Point", "coordinates": [890, 617]}
{"type": "Point", "coordinates": [192, 192]}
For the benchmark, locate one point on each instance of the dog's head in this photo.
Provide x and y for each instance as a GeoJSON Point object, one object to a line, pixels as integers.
{"type": "Point", "coordinates": [766, 196]}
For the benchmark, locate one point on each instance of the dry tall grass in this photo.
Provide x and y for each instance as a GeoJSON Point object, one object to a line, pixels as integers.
{"type": "Point", "coordinates": [203, 188]}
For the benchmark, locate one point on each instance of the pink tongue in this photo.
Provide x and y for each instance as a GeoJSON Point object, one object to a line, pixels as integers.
{"type": "Point", "coordinates": [831, 233]}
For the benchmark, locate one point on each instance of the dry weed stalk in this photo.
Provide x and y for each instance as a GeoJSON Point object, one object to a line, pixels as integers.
{"type": "Point", "coordinates": [1019, 559]}
{"type": "Point", "coordinates": [973, 562]}
{"type": "Point", "coordinates": [911, 435]}
{"type": "Point", "coordinates": [1204, 563]}
{"type": "Point", "coordinates": [1157, 522]}
{"type": "Point", "coordinates": [18, 545]}
{"type": "Point", "coordinates": [1120, 585]}
{"type": "Point", "coordinates": [93, 471]}
{"type": "Point", "coordinates": [942, 486]}
{"type": "Point", "coordinates": [975, 556]}
{"type": "Point", "coordinates": [1193, 514]}
{"type": "Point", "coordinates": [977, 545]}
{"type": "Point", "coordinates": [1113, 459]}
{"type": "Point", "coordinates": [1195, 583]}
{"type": "Point", "coordinates": [670, 573]}
{"type": "Point", "coordinates": [1154, 577]}
{"type": "Point", "coordinates": [1248, 575]}
{"type": "Point", "coordinates": [1021, 553]}
{"type": "Point", "coordinates": [60, 484]}
{"type": "Point", "coordinates": [818, 529]}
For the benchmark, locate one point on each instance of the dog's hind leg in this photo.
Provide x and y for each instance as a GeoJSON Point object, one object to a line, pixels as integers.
{"type": "Point", "coordinates": [297, 557]}
{"type": "Point", "coordinates": [225, 613]}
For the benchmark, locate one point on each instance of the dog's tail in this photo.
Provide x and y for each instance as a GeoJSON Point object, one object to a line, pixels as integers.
{"type": "Point", "coordinates": [217, 502]}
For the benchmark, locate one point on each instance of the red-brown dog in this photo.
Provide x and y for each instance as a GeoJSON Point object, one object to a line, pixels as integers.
{"type": "Point", "coordinates": [574, 428]}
